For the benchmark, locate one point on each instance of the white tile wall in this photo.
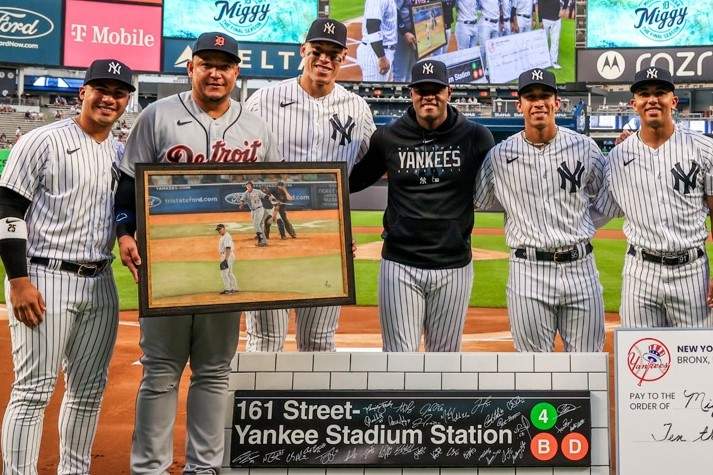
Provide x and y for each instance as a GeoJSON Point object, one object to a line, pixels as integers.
{"type": "Point", "coordinates": [483, 371]}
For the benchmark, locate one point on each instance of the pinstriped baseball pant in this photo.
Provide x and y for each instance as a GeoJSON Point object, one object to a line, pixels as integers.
{"type": "Point", "coordinates": [549, 297]}
{"type": "Point", "coordinates": [655, 295]}
{"type": "Point", "coordinates": [414, 301]}
{"type": "Point", "coordinates": [316, 326]}
{"type": "Point", "coordinates": [77, 335]}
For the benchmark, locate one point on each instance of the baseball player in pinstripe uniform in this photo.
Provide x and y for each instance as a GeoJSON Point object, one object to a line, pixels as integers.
{"type": "Point", "coordinates": [660, 178]}
{"type": "Point", "coordinates": [432, 155]}
{"type": "Point", "coordinates": [522, 12]}
{"type": "Point", "coordinates": [317, 120]}
{"type": "Point", "coordinates": [253, 199]}
{"type": "Point", "coordinates": [226, 251]}
{"type": "Point", "coordinates": [56, 238]}
{"type": "Point", "coordinates": [378, 40]}
{"type": "Point", "coordinates": [201, 125]}
{"type": "Point", "coordinates": [466, 24]}
{"type": "Point", "coordinates": [546, 178]}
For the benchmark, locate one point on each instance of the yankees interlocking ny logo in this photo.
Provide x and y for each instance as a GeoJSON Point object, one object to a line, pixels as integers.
{"type": "Point", "coordinates": [114, 68]}
{"type": "Point", "coordinates": [573, 178]}
{"type": "Point", "coordinates": [652, 73]}
{"type": "Point", "coordinates": [685, 182]}
{"type": "Point", "coordinates": [219, 41]}
{"type": "Point", "coordinates": [344, 129]}
{"type": "Point", "coordinates": [329, 28]}
{"type": "Point", "coordinates": [537, 75]}
{"type": "Point", "coordinates": [428, 68]}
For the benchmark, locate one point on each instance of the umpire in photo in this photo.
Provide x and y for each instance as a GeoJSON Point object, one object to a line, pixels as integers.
{"type": "Point", "coordinates": [547, 178]}
{"type": "Point", "coordinates": [317, 120]}
{"type": "Point", "coordinates": [197, 126]}
{"type": "Point", "coordinates": [56, 241]}
{"type": "Point", "coordinates": [661, 180]}
{"type": "Point", "coordinates": [431, 156]}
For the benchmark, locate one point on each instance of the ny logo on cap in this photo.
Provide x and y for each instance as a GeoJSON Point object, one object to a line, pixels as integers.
{"type": "Point", "coordinates": [115, 68]}
{"type": "Point", "coordinates": [537, 75]}
{"type": "Point", "coordinates": [219, 41]}
{"type": "Point", "coordinates": [329, 28]}
{"type": "Point", "coordinates": [427, 68]}
{"type": "Point", "coordinates": [652, 73]}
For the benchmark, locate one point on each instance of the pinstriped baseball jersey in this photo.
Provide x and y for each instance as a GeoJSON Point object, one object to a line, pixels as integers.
{"type": "Point", "coordinates": [661, 191]}
{"type": "Point", "coordinates": [385, 12]}
{"type": "Point", "coordinates": [490, 8]}
{"type": "Point", "coordinates": [253, 198]}
{"type": "Point", "coordinates": [226, 241]}
{"type": "Point", "coordinates": [522, 7]}
{"type": "Point", "coordinates": [61, 169]}
{"type": "Point", "coordinates": [546, 192]}
{"type": "Point", "coordinates": [336, 127]}
{"type": "Point", "coordinates": [467, 10]}
{"type": "Point", "coordinates": [176, 130]}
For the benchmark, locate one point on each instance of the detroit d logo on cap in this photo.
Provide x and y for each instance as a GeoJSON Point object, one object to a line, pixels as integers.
{"type": "Point", "coordinates": [219, 41]}
{"type": "Point", "coordinates": [427, 68]}
{"type": "Point", "coordinates": [537, 75]}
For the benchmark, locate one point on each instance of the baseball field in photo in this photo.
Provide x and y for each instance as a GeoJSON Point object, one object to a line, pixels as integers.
{"type": "Point", "coordinates": [184, 259]}
{"type": "Point", "coordinates": [429, 27]}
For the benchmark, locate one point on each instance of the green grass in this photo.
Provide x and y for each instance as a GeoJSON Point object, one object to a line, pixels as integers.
{"type": "Point", "coordinates": [488, 288]}
{"type": "Point", "coordinates": [346, 9]}
{"type": "Point", "coordinates": [567, 53]}
{"type": "Point", "coordinates": [252, 275]}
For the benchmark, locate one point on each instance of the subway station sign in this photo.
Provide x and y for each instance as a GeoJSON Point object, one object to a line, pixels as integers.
{"type": "Point", "coordinates": [411, 428]}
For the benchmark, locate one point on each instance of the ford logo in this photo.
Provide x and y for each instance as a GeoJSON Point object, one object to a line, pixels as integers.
{"type": "Point", "coordinates": [154, 201]}
{"type": "Point", "coordinates": [233, 198]}
{"type": "Point", "coordinates": [21, 24]}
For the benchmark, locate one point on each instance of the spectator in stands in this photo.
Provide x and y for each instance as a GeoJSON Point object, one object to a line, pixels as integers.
{"type": "Point", "coordinates": [3, 139]}
{"type": "Point", "coordinates": [57, 115]}
{"type": "Point", "coordinates": [28, 115]}
{"type": "Point", "coordinates": [18, 133]}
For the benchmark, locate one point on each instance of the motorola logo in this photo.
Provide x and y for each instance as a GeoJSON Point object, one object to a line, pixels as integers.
{"type": "Point", "coordinates": [611, 65]}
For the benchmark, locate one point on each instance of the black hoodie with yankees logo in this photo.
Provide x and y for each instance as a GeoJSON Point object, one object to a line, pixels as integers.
{"type": "Point", "coordinates": [431, 175]}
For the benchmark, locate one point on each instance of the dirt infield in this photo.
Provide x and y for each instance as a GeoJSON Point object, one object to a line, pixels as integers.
{"type": "Point", "coordinates": [485, 330]}
{"type": "Point", "coordinates": [204, 248]}
{"type": "Point", "coordinates": [236, 217]}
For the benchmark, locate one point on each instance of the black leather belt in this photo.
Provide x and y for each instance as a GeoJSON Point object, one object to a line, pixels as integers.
{"type": "Point", "coordinates": [569, 255]}
{"type": "Point", "coordinates": [506, 19]}
{"type": "Point", "coordinates": [390, 47]}
{"type": "Point", "coordinates": [469, 22]}
{"type": "Point", "coordinates": [491, 21]}
{"type": "Point", "coordinates": [87, 269]}
{"type": "Point", "coordinates": [673, 259]}
{"type": "Point", "coordinates": [524, 16]}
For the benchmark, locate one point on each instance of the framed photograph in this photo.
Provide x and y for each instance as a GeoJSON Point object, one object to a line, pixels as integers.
{"type": "Point", "coordinates": [428, 25]}
{"type": "Point", "coordinates": [216, 237]}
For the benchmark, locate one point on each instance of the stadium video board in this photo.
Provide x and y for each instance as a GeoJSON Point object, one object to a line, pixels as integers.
{"type": "Point", "coordinates": [648, 23]}
{"type": "Point", "coordinates": [30, 31]}
{"type": "Point", "coordinates": [262, 21]}
{"type": "Point", "coordinates": [481, 47]}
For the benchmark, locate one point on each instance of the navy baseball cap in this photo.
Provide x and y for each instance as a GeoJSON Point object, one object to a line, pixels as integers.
{"type": "Point", "coordinates": [652, 75]}
{"type": "Point", "coordinates": [109, 69]}
{"type": "Point", "coordinates": [536, 77]}
{"type": "Point", "coordinates": [326, 29]}
{"type": "Point", "coordinates": [429, 71]}
{"type": "Point", "coordinates": [217, 41]}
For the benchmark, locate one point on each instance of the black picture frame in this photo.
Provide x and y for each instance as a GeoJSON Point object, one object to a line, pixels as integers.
{"type": "Point", "coordinates": [435, 23]}
{"type": "Point", "coordinates": [179, 207]}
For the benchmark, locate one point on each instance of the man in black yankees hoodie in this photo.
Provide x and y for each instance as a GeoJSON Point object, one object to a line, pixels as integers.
{"type": "Point", "coordinates": [431, 156]}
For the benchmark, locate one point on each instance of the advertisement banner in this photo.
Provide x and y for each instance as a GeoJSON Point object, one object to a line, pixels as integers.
{"type": "Point", "coordinates": [259, 60]}
{"type": "Point", "coordinates": [664, 400]}
{"type": "Point", "coordinates": [694, 64]}
{"type": "Point", "coordinates": [8, 82]}
{"type": "Point", "coordinates": [30, 31]}
{"type": "Point", "coordinates": [411, 429]}
{"type": "Point", "coordinates": [474, 41]}
{"type": "Point", "coordinates": [656, 23]}
{"type": "Point", "coordinates": [268, 21]}
{"type": "Point", "coordinates": [129, 33]}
